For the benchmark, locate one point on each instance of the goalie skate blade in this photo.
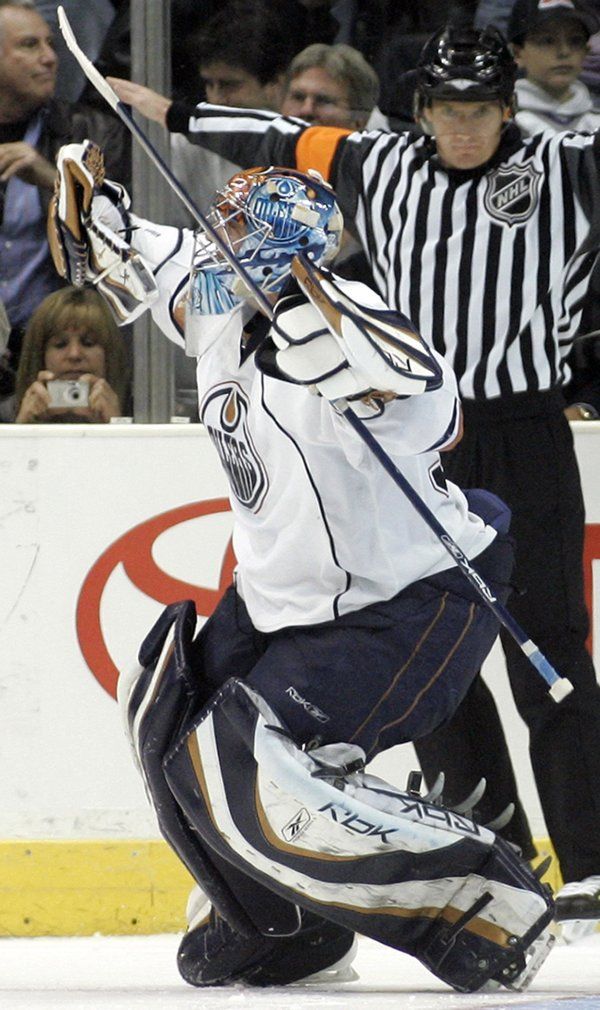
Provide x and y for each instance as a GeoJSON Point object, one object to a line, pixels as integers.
{"type": "Point", "coordinates": [341, 971]}
{"type": "Point", "coordinates": [198, 907]}
{"type": "Point", "coordinates": [535, 957]}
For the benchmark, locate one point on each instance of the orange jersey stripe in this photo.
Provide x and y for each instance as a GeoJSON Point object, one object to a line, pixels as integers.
{"type": "Point", "coordinates": [316, 148]}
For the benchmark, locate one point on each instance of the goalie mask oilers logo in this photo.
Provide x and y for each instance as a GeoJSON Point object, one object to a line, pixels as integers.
{"type": "Point", "coordinates": [512, 193]}
{"type": "Point", "coordinates": [224, 413]}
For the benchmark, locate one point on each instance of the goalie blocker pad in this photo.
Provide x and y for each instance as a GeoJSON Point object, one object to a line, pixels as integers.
{"type": "Point", "coordinates": [382, 344]}
{"type": "Point", "coordinates": [354, 850]}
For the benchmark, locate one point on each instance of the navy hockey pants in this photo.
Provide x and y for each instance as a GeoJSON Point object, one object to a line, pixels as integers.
{"type": "Point", "coordinates": [379, 676]}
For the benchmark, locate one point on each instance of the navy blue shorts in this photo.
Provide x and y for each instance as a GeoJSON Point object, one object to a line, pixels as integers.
{"type": "Point", "coordinates": [383, 675]}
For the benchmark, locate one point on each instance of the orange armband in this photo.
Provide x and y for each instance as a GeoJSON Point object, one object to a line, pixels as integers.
{"type": "Point", "coordinates": [316, 148]}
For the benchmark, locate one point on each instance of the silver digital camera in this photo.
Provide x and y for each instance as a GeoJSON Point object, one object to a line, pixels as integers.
{"type": "Point", "coordinates": [68, 393]}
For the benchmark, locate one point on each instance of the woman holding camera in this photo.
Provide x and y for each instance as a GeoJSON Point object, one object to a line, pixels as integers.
{"type": "Point", "coordinates": [73, 366]}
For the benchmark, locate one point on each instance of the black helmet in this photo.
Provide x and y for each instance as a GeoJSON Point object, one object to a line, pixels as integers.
{"type": "Point", "coordinates": [466, 65]}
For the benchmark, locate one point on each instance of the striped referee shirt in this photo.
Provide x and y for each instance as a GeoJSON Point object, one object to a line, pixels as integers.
{"type": "Point", "coordinates": [492, 264]}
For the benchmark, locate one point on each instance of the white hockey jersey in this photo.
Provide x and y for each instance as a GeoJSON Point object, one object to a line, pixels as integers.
{"type": "Point", "coordinates": [320, 527]}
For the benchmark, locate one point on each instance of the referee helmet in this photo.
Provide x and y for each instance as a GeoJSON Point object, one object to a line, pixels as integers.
{"type": "Point", "coordinates": [465, 65]}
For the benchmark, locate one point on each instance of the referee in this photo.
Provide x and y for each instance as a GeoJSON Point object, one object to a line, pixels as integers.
{"type": "Point", "coordinates": [487, 241]}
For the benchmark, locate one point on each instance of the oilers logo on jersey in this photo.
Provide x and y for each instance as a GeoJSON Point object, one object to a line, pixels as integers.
{"type": "Point", "coordinates": [225, 416]}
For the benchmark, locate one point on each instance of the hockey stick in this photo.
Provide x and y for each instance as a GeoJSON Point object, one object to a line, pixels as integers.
{"type": "Point", "coordinates": [103, 87]}
{"type": "Point", "coordinates": [559, 686]}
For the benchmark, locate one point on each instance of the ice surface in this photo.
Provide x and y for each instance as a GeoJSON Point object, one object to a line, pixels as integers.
{"type": "Point", "coordinates": [127, 973]}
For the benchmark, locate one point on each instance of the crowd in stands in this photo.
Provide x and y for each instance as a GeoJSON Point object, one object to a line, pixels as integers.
{"type": "Point", "coordinates": [34, 124]}
{"type": "Point", "coordinates": [348, 63]}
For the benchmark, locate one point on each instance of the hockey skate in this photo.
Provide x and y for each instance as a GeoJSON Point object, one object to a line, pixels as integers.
{"type": "Point", "coordinates": [212, 953]}
{"type": "Point", "coordinates": [578, 908]}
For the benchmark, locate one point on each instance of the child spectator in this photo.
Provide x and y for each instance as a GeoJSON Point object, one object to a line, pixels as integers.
{"type": "Point", "coordinates": [550, 43]}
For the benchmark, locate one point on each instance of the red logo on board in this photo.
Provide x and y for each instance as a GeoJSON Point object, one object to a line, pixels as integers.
{"type": "Point", "coordinates": [133, 551]}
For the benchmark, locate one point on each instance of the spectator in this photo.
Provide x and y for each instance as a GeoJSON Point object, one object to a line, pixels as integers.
{"type": "Point", "coordinates": [498, 12]}
{"type": "Point", "coordinates": [6, 372]}
{"type": "Point", "coordinates": [331, 86]}
{"type": "Point", "coordinates": [550, 44]}
{"type": "Point", "coordinates": [242, 67]}
{"type": "Point", "coordinates": [33, 125]}
{"type": "Point", "coordinates": [90, 21]}
{"type": "Point", "coordinates": [239, 66]}
{"type": "Point", "coordinates": [359, 22]}
{"type": "Point", "coordinates": [335, 86]}
{"type": "Point", "coordinates": [72, 336]}
{"type": "Point", "coordinates": [243, 52]}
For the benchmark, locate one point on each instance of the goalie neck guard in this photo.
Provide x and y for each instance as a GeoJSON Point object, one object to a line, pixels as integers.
{"type": "Point", "coordinates": [266, 216]}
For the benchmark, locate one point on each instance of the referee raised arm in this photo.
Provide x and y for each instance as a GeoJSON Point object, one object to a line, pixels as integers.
{"type": "Point", "coordinates": [487, 240]}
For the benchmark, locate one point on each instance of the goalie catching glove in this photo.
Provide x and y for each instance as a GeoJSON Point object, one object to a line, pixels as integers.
{"type": "Point", "coordinates": [85, 249]}
{"type": "Point", "coordinates": [346, 350]}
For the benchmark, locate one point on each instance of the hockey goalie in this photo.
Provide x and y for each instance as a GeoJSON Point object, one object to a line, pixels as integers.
{"type": "Point", "coordinates": [347, 629]}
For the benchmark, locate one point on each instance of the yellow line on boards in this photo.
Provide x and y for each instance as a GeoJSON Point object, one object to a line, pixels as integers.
{"type": "Point", "coordinates": [78, 888]}
{"type": "Point", "coordinates": [125, 886]}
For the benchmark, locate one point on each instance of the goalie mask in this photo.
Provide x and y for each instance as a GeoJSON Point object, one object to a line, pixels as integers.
{"type": "Point", "coordinates": [266, 216]}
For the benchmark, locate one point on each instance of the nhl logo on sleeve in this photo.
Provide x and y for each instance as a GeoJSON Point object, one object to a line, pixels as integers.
{"type": "Point", "coordinates": [512, 193]}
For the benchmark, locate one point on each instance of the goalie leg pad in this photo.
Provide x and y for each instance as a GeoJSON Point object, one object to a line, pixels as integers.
{"type": "Point", "coordinates": [352, 849]}
{"type": "Point", "coordinates": [156, 699]}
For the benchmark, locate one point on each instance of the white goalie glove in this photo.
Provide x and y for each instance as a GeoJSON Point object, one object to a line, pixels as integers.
{"type": "Point", "coordinates": [346, 350]}
{"type": "Point", "coordinates": [87, 229]}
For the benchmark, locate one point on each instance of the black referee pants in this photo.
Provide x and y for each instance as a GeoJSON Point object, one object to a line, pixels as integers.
{"type": "Point", "coordinates": [522, 449]}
